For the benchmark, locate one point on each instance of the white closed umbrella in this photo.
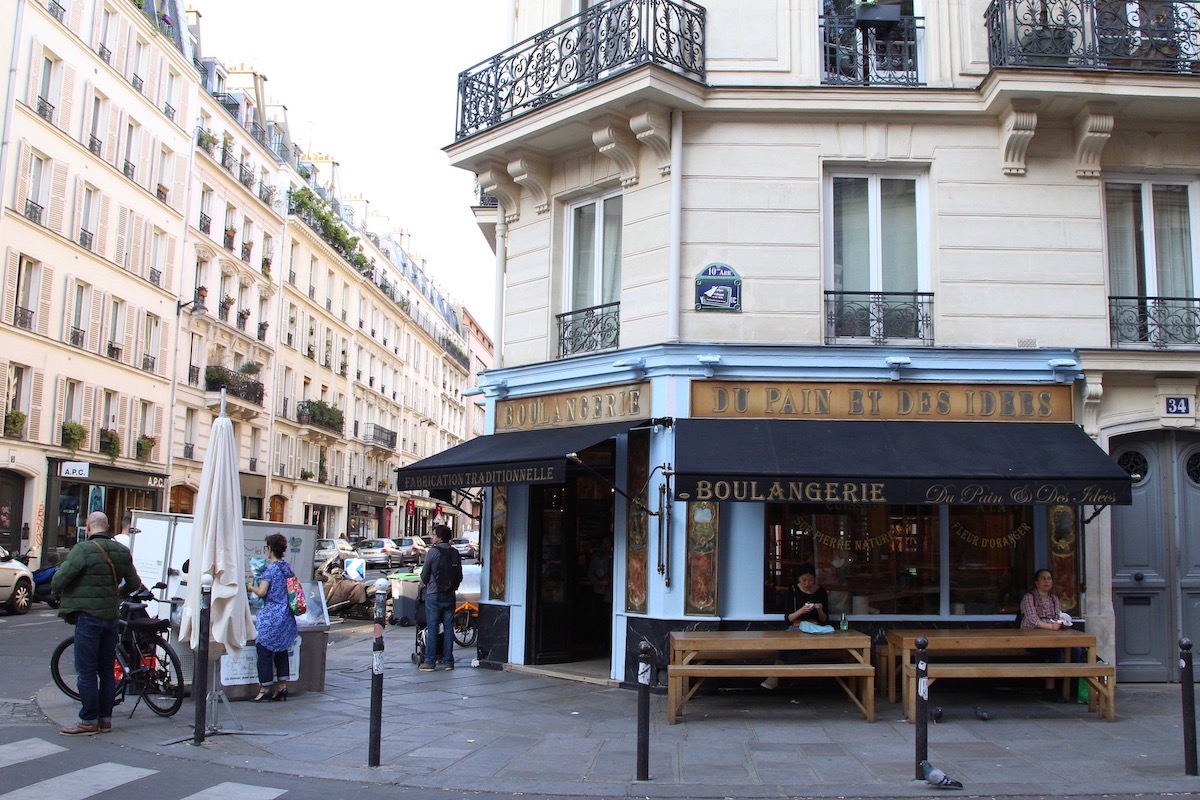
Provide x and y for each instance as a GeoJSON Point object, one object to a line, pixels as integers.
{"type": "Point", "coordinates": [218, 550]}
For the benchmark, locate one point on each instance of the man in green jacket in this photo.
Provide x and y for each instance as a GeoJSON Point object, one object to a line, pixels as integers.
{"type": "Point", "coordinates": [91, 581]}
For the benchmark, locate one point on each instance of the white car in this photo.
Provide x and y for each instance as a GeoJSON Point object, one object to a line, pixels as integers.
{"type": "Point", "coordinates": [16, 584]}
{"type": "Point", "coordinates": [328, 548]}
{"type": "Point", "coordinates": [384, 552]}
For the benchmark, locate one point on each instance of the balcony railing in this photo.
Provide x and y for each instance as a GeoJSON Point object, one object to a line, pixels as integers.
{"type": "Point", "coordinates": [247, 247]}
{"type": "Point", "coordinates": [155, 276]}
{"type": "Point", "coordinates": [1133, 36]}
{"type": "Point", "coordinates": [881, 317]}
{"type": "Point", "coordinates": [589, 330]}
{"type": "Point", "coordinates": [230, 237]}
{"type": "Point", "coordinates": [606, 40]}
{"type": "Point", "coordinates": [1158, 321]}
{"type": "Point", "coordinates": [223, 312]}
{"type": "Point", "coordinates": [235, 383]}
{"type": "Point", "coordinates": [205, 223]}
{"type": "Point", "coordinates": [129, 169]}
{"type": "Point", "coordinates": [147, 362]}
{"type": "Point", "coordinates": [33, 211]}
{"type": "Point", "coordinates": [189, 450]}
{"type": "Point", "coordinates": [266, 192]}
{"type": "Point", "coordinates": [252, 465]}
{"type": "Point", "coordinates": [45, 110]}
{"type": "Point", "coordinates": [78, 337]}
{"type": "Point", "coordinates": [161, 193]}
{"type": "Point", "coordinates": [228, 102]}
{"type": "Point", "coordinates": [85, 239]}
{"type": "Point", "coordinates": [227, 159]}
{"type": "Point", "coordinates": [23, 318]}
{"type": "Point", "coordinates": [377, 434]}
{"type": "Point", "coordinates": [854, 53]}
{"type": "Point", "coordinates": [292, 277]}
{"type": "Point", "coordinates": [114, 351]}
{"type": "Point", "coordinates": [136, 82]}
{"type": "Point", "coordinates": [96, 146]}
{"type": "Point", "coordinates": [169, 110]}
{"type": "Point", "coordinates": [193, 375]}
{"type": "Point", "coordinates": [57, 11]}
{"type": "Point", "coordinates": [105, 54]}
{"type": "Point", "coordinates": [246, 176]}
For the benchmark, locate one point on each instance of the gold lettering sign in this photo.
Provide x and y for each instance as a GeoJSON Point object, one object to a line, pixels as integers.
{"type": "Point", "coordinates": [565, 409]}
{"type": "Point", "coordinates": [949, 402]}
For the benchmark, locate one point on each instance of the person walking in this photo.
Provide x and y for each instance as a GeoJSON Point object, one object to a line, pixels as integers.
{"type": "Point", "coordinates": [440, 578]}
{"type": "Point", "coordinates": [92, 579]}
{"type": "Point", "coordinates": [275, 623]}
{"type": "Point", "coordinates": [125, 537]}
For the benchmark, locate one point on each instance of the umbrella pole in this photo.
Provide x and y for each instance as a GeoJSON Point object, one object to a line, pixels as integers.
{"type": "Point", "coordinates": [200, 676]}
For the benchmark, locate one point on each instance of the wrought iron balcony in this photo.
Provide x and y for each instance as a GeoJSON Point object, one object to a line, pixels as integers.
{"type": "Point", "coordinates": [312, 293]}
{"type": "Point", "coordinates": [135, 80]}
{"type": "Point", "coordinates": [258, 132]}
{"type": "Point", "coordinates": [606, 40]}
{"type": "Point", "coordinates": [243, 317]}
{"type": "Point", "coordinates": [881, 317]}
{"type": "Point", "coordinates": [227, 159]}
{"type": "Point", "coordinates": [169, 110]}
{"type": "Point", "coordinates": [262, 331]}
{"type": "Point", "coordinates": [857, 54]}
{"type": "Point", "coordinates": [223, 312]}
{"type": "Point", "coordinates": [589, 330]}
{"type": "Point", "coordinates": [292, 277]}
{"type": "Point", "coordinates": [1158, 321]}
{"type": "Point", "coordinates": [114, 351]}
{"type": "Point", "coordinates": [85, 239]}
{"type": "Point", "coordinates": [234, 383]}
{"type": "Point", "coordinates": [266, 192]}
{"type": "Point", "coordinates": [105, 54]}
{"type": "Point", "coordinates": [1133, 36]}
{"type": "Point", "coordinates": [96, 146]}
{"type": "Point", "coordinates": [252, 465]}
{"type": "Point", "coordinates": [129, 169]}
{"type": "Point", "coordinates": [193, 375]}
{"type": "Point", "coordinates": [45, 110]}
{"type": "Point", "coordinates": [246, 248]}
{"type": "Point", "coordinates": [78, 337]}
{"type": "Point", "coordinates": [147, 362]}
{"type": "Point", "coordinates": [230, 240]}
{"type": "Point", "coordinates": [33, 211]}
{"type": "Point", "coordinates": [57, 11]}
{"type": "Point", "coordinates": [155, 276]}
{"type": "Point", "coordinates": [23, 318]}
{"type": "Point", "coordinates": [161, 193]}
{"type": "Point", "coordinates": [228, 102]}
{"type": "Point", "coordinates": [205, 223]}
{"type": "Point", "coordinates": [246, 176]}
{"type": "Point", "coordinates": [189, 450]}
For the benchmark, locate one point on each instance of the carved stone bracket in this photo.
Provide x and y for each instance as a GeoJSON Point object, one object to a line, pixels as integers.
{"type": "Point", "coordinates": [205, 253]}
{"type": "Point", "coordinates": [1093, 127]}
{"type": "Point", "coordinates": [495, 181]}
{"type": "Point", "coordinates": [613, 138]}
{"type": "Point", "coordinates": [228, 268]}
{"type": "Point", "coordinates": [534, 176]}
{"type": "Point", "coordinates": [652, 126]}
{"type": "Point", "coordinates": [1017, 128]}
{"type": "Point", "coordinates": [1093, 391]}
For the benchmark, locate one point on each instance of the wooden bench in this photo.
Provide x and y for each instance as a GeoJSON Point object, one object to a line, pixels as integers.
{"type": "Point", "coordinates": [1101, 679]}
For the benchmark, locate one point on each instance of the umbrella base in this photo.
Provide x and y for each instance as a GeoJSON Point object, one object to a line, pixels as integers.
{"type": "Point", "coordinates": [214, 700]}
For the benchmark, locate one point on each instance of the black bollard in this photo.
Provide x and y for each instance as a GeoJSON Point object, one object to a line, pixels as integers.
{"type": "Point", "coordinates": [381, 595]}
{"type": "Point", "coordinates": [922, 701]}
{"type": "Point", "coordinates": [200, 664]}
{"type": "Point", "coordinates": [643, 712]}
{"type": "Point", "coordinates": [1186, 678]}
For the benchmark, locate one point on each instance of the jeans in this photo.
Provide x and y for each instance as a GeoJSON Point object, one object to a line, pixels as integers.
{"type": "Point", "coordinates": [95, 654]}
{"type": "Point", "coordinates": [268, 660]}
{"type": "Point", "coordinates": [439, 609]}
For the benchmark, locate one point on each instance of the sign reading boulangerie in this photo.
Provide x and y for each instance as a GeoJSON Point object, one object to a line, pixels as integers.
{"type": "Point", "coordinates": [588, 407]}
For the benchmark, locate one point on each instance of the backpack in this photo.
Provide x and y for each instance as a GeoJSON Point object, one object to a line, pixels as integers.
{"type": "Point", "coordinates": [447, 570]}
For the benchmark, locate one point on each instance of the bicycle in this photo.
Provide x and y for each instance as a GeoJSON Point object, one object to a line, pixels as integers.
{"type": "Point", "coordinates": [466, 623]}
{"type": "Point", "coordinates": [146, 665]}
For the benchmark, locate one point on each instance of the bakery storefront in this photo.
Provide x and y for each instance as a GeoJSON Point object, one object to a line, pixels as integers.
{"type": "Point", "coordinates": [927, 502]}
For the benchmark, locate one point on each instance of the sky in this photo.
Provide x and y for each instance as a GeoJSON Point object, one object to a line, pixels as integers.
{"type": "Point", "coordinates": [375, 86]}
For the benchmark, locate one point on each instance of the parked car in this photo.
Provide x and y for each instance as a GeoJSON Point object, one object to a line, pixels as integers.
{"type": "Point", "coordinates": [16, 584]}
{"type": "Point", "coordinates": [328, 548]}
{"type": "Point", "coordinates": [414, 549]}
{"type": "Point", "coordinates": [381, 552]}
{"type": "Point", "coordinates": [465, 548]}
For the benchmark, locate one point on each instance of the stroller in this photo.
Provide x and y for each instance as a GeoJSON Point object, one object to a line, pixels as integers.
{"type": "Point", "coordinates": [418, 654]}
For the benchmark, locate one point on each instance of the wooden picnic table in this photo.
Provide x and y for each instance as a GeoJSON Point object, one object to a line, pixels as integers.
{"type": "Point", "coordinates": [698, 655]}
{"type": "Point", "coordinates": [988, 644]}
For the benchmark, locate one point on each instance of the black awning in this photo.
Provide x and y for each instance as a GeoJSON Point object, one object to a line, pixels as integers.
{"type": "Point", "coordinates": [538, 456]}
{"type": "Point", "coordinates": [960, 463]}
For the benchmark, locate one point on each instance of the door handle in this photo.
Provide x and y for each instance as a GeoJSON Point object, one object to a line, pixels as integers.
{"type": "Point", "coordinates": [1139, 577]}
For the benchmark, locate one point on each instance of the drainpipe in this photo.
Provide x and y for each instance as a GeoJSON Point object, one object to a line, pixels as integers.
{"type": "Point", "coordinates": [501, 266]}
{"type": "Point", "coordinates": [10, 106]}
{"type": "Point", "coordinates": [675, 233]}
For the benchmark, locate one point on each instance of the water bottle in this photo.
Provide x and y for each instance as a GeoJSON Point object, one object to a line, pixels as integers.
{"type": "Point", "coordinates": [845, 624]}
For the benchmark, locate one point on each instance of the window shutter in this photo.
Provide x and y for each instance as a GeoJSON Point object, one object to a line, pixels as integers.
{"type": "Point", "coordinates": [89, 400]}
{"type": "Point", "coordinates": [144, 167]}
{"type": "Point", "coordinates": [66, 99]}
{"type": "Point", "coordinates": [102, 235]}
{"type": "Point", "coordinates": [123, 421]}
{"type": "Point", "coordinates": [127, 345]}
{"type": "Point", "coordinates": [137, 226]}
{"type": "Point", "coordinates": [12, 264]}
{"type": "Point", "coordinates": [68, 307]}
{"type": "Point", "coordinates": [122, 47]}
{"type": "Point", "coordinates": [163, 350]}
{"type": "Point", "coordinates": [75, 17]}
{"type": "Point", "coordinates": [76, 212]}
{"type": "Point", "coordinates": [35, 73]}
{"type": "Point", "coordinates": [110, 144]}
{"type": "Point", "coordinates": [58, 196]}
{"type": "Point", "coordinates": [180, 183]}
{"type": "Point", "coordinates": [37, 385]}
{"type": "Point", "coordinates": [94, 337]}
{"type": "Point", "coordinates": [60, 406]}
{"type": "Point", "coordinates": [43, 313]}
{"type": "Point", "coordinates": [122, 232]}
{"type": "Point", "coordinates": [159, 449]}
{"type": "Point", "coordinates": [24, 153]}
{"type": "Point", "coordinates": [97, 17]}
{"type": "Point", "coordinates": [169, 266]}
{"type": "Point", "coordinates": [152, 87]}
{"type": "Point", "coordinates": [4, 385]}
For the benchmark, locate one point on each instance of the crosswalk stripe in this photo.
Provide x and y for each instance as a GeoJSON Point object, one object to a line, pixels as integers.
{"type": "Point", "coordinates": [27, 750]}
{"type": "Point", "coordinates": [236, 791]}
{"type": "Point", "coordinates": [81, 784]}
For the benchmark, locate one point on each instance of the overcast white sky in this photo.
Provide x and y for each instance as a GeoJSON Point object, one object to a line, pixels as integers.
{"type": "Point", "coordinates": [375, 86]}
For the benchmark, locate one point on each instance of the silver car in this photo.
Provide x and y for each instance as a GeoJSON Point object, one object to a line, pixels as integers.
{"type": "Point", "coordinates": [380, 551]}
{"type": "Point", "coordinates": [328, 548]}
{"type": "Point", "coordinates": [16, 584]}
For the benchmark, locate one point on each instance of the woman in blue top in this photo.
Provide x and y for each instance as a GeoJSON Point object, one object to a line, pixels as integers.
{"type": "Point", "coordinates": [275, 623]}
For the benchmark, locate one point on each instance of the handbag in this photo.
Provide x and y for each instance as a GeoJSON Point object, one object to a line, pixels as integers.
{"type": "Point", "coordinates": [295, 595]}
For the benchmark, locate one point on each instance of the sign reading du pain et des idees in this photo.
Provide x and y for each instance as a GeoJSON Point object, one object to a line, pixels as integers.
{"type": "Point", "coordinates": [587, 407]}
{"type": "Point", "coordinates": [832, 400]}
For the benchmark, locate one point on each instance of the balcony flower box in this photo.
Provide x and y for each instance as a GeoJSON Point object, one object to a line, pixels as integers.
{"type": "Point", "coordinates": [73, 435]}
{"type": "Point", "coordinates": [145, 446]}
{"type": "Point", "coordinates": [110, 443]}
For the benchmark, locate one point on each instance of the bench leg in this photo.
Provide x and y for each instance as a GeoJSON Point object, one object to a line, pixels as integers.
{"type": "Point", "coordinates": [674, 694]}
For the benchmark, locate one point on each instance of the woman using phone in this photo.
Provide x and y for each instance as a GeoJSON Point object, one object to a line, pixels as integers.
{"type": "Point", "coordinates": [809, 603]}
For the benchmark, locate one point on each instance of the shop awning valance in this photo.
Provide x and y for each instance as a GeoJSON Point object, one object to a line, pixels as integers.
{"type": "Point", "coordinates": [958, 463]}
{"type": "Point", "coordinates": [538, 456]}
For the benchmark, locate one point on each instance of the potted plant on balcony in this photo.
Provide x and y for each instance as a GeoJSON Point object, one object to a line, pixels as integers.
{"type": "Point", "coordinates": [303, 414]}
{"type": "Point", "coordinates": [207, 139]}
{"type": "Point", "coordinates": [14, 424]}
{"type": "Point", "coordinates": [250, 368]}
{"type": "Point", "coordinates": [145, 446]}
{"type": "Point", "coordinates": [244, 315]}
{"type": "Point", "coordinates": [201, 291]}
{"type": "Point", "coordinates": [73, 435]}
{"type": "Point", "coordinates": [306, 474]}
{"type": "Point", "coordinates": [110, 443]}
{"type": "Point", "coordinates": [228, 301]}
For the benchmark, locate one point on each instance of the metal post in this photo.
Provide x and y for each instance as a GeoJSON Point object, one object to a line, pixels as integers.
{"type": "Point", "coordinates": [200, 664]}
{"type": "Point", "coordinates": [922, 701]}
{"type": "Point", "coordinates": [643, 712]}
{"type": "Point", "coordinates": [381, 595]}
{"type": "Point", "coordinates": [1186, 678]}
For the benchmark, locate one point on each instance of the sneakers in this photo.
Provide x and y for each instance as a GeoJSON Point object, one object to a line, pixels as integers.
{"type": "Point", "coordinates": [448, 667]}
{"type": "Point", "coordinates": [770, 684]}
{"type": "Point", "coordinates": [425, 667]}
{"type": "Point", "coordinates": [81, 729]}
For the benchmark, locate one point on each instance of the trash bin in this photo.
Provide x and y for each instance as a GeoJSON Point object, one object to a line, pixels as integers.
{"type": "Point", "coordinates": [404, 587]}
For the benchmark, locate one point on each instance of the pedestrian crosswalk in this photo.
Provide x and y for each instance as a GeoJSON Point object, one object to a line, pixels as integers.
{"type": "Point", "coordinates": [96, 780]}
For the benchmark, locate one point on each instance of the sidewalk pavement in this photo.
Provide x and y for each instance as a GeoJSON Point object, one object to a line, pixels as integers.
{"type": "Point", "coordinates": [515, 732]}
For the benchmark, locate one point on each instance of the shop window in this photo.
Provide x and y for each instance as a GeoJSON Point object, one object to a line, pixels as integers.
{"type": "Point", "coordinates": [871, 559]}
{"type": "Point", "coordinates": [991, 557]}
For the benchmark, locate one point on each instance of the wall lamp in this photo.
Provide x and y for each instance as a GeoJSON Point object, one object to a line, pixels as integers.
{"type": "Point", "coordinates": [897, 363]}
{"type": "Point", "coordinates": [710, 363]}
{"type": "Point", "coordinates": [1060, 366]}
{"type": "Point", "coordinates": [196, 304]}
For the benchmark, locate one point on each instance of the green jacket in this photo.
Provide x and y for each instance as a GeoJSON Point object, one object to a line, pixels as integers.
{"type": "Point", "coordinates": [86, 581]}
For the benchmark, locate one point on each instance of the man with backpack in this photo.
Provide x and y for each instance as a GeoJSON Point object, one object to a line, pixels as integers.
{"type": "Point", "coordinates": [440, 578]}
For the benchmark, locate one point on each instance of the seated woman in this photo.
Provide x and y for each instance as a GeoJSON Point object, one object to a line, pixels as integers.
{"type": "Point", "coordinates": [1040, 608]}
{"type": "Point", "coordinates": [809, 602]}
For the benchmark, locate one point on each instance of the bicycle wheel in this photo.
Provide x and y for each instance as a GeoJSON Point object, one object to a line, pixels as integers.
{"type": "Point", "coordinates": [161, 680]}
{"type": "Point", "coordinates": [62, 668]}
{"type": "Point", "coordinates": [465, 632]}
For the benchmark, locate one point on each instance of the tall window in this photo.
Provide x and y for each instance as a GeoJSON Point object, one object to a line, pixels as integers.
{"type": "Point", "coordinates": [73, 402]}
{"type": "Point", "coordinates": [28, 292]}
{"type": "Point", "coordinates": [595, 241]}
{"type": "Point", "coordinates": [79, 314]}
{"type": "Point", "coordinates": [114, 329]}
{"type": "Point", "coordinates": [110, 406]}
{"type": "Point", "coordinates": [1152, 257]}
{"type": "Point", "coordinates": [47, 79]}
{"type": "Point", "coordinates": [18, 388]}
{"type": "Point", "coordinates": [87, 215]}
{"type": "Point", "coordinates": [37, 179]}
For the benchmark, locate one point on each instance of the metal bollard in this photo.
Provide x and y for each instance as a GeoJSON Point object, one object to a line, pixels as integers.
{"type": "Point", "coordinates": [200, 668]}
{"type": "Point", "coordinates": [381, 595]}
{"type": "Point", "coordinates": [1186, 677]}
{"type": "Point", "coordinates": [643, 712]}
{"type": "Point", "coordinates": [922, 705]}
